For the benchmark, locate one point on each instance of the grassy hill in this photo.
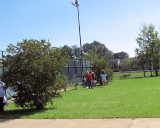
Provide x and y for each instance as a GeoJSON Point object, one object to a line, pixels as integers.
{"type": "Point", "coordinates": [126, 96]}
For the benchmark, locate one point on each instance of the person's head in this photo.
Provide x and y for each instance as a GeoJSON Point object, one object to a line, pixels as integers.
{"type": "Point", "coordinates": [87, 71]}
{"type": "Point", "coordinates": [2, 85]}
{"type": "Point", "coordinates": [103, 72]}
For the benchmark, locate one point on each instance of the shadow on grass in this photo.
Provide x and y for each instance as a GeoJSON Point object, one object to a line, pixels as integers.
{"type": "Point", "coordinates": [127, 76]}
{"type": "Point", "coordinates": [16, 114]}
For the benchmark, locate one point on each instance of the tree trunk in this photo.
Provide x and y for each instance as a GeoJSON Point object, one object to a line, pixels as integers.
{"type": "Point", "coordinates": [151, 73]}
{"type": "Point", "coordinates": [144, 73]}
{"type": "Point", "coordinates": [156, 70]}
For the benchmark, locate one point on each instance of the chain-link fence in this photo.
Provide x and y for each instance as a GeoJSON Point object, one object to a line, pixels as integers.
{"type": "Point", "coordinates": [74, 67]}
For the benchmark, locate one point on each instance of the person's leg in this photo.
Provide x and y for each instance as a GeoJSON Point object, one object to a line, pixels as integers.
{"type": "Point", "coordinates": [88, 84]}
{"type": "Point", "coordinates": [95, 83]}
{"type": "Point", "coordinates": [1, 104]}
{"type": "Point", "coordinates": [103, 82]}
{"type": "Point", "coordinates": [91, 85]}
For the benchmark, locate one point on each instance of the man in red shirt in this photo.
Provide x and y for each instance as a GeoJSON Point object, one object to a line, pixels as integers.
{"type": "Point", "coordinates": [89, 79]}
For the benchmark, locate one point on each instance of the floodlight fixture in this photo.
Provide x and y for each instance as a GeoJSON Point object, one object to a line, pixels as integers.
{"type": "Point", "coordinates": [75, 3]}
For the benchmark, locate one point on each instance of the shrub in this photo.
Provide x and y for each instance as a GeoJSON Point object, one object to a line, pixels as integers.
{"type": "Point", "coordinates": [32, 72]}
{"type": "Point", "coordinates": [99, 65]}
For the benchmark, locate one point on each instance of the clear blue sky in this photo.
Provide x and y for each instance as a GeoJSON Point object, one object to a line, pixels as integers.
{"type": "Point", "coordinates": [115, 23]}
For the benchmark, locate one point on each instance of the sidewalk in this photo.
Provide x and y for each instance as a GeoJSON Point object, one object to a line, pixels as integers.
{"type": "Point", "coordinates": [81, 123]}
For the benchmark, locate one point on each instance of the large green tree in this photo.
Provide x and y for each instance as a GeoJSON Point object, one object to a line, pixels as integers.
{"type": "Point", "coordinates": [32, 70]}
{"type": "Point", "coordinates": [126, 64]}
{"type": "Point", "coordinates": [99, 48]}
{"type": "Point", "coordinates": [69, 50]}
{"type": "Point", "coordinates": [121, 55]}
{"type": "Point", "coordinates": [142, 60]}
{"type": "Point", "coordinates": [149, 43]}
{"type": "Point", "coordinates": [76, 51]}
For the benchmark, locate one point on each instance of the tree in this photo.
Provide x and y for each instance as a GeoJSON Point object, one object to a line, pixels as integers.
{"type": "Point", "coordinates": [149, 50]}
{"type": "Point", "coordinates": [142, 58]}
{"type": "Point", "coordinates": [121, 55]}
{"type": "Point", "coordinates": [69, 50]}
{"type": "Point", "coordinates": [76, 51]}
{"type": "Point", "coordinates": [126, 64]}
{"type": "Point", "coordinates": [154, 47]}
{"type": "Point", "coordinates": [32, 71]}
{"type": "Point", "coordinates": [135, 64]}
{"type": "Point", "coordinates": [99, 49]}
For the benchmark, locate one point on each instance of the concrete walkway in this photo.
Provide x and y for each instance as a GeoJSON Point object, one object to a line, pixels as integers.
{"type": "Point", "coordinates": [81, 123]}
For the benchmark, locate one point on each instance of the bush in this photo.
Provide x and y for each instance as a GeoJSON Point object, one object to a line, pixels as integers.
{"type": "Point", "coordinates": [109, 73]}
{"type": "Point", "coordinates": [116, 69]}
{"type": "Point", "coordinates": [32, 72]}
{"type": "Point", "coordinates": [99, 65]}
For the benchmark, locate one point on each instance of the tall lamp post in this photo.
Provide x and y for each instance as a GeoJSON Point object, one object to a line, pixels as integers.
{"type": "Point", "coordinates": [75, 3]}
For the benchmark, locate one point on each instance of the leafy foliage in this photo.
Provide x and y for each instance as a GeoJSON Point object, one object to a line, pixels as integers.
{"type": "Point", "coordinates": [69, 50]}
{"type": "Point", "coordinates": [121, 55]}
{"type": "Point", "coordinates": [99, 48]}
{"type": "Point", "coordinates": [126, 64]}
{"type": "Point", "coordinates": [76, 51]}
{"type": "Point", "coordinates": [32, 71]}
{"type": "Point", "coordinates": [148, 52]}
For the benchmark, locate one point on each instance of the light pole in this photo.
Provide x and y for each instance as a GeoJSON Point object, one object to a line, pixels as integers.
{"type": "Point", "coordinates": [75, 3]}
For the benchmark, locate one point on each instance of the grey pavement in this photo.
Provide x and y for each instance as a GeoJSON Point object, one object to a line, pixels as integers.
{"type": "Point", "coordinates": [81, 123]}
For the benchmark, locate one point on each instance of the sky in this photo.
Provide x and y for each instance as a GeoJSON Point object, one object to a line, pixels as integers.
{"type": "Point", "coordinates": [115, 23]}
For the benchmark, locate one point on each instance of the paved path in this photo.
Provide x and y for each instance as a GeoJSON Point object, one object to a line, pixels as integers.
{"type": "Point", "coordinates": [81, 123]}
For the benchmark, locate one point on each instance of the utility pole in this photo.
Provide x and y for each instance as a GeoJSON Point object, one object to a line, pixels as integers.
{"type": "Point", "coordinates": [76, 4]}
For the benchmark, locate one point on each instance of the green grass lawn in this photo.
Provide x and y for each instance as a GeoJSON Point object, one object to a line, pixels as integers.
{"type": "Point", "coordinates": [126, 96]}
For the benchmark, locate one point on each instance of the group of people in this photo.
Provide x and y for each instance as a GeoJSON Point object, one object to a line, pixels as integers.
{"type": "Point", "coordinates": [90, 79]}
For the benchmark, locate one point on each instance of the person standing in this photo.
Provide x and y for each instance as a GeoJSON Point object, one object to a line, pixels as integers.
{"type": "Point", "coordinates": [93, 79]}
{"type": "Point", "coordinates": [103, 77]}
{"type": "Point", "coordinates": [89, 79]}
{"type": "Point", "coordinates": [2, 94]}
{"type": "Point", "coordinates": [84, 81]}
